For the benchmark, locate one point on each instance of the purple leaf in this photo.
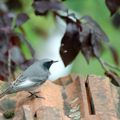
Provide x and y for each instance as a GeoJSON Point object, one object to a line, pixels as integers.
{"type": "Point", "coordinates": [86, 47]}
{"type": "Point", "coordinates": [21, 18]}
{"type": "Point", "coordinates": [91, 38]}
{"type": "Point", "coordinates": [42, 7]}
{"type": "Point", "coordinates": [10, 44]}
{"type": "Point", "coordinates": [14, 4]}
{"type": "Point", "coordinates": [94, 27]}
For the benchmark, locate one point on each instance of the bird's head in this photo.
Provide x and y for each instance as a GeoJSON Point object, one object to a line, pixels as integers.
{"type": "Point", "coordinates": [48, 62]}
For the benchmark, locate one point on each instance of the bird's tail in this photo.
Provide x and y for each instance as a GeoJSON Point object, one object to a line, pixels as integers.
{"type": "Point", "coordinates": [4, 92]}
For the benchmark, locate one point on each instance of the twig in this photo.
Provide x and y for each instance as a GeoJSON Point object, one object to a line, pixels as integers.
{"type": "Point", "coordinates": [105, 65]}
{"type": "Point", "coordinates": [9, 64]}
{"type": "Point", "coordinates": [112, 66]}
{"type": "Point", "coordinates": [11, 75]}
{"type": "Point", "coordinates": [102, 64]}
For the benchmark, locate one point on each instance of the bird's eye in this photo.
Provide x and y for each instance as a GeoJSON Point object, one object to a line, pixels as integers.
{"type": "Point", "coordinates": [48, 64]}
{"type": "Point", "coordinates": [51, 61]}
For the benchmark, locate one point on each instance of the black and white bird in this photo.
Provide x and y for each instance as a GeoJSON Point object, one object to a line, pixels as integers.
{"type": "Point", "coordinates": [31, 78]}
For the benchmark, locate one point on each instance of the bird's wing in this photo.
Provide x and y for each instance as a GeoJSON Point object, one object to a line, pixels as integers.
{"type": "Point", "coordinates": [21, 78]}
{"type": "Point", "coordinates": [39, 79]}
{"type": "Point", "coordinates": [23, 84]}
{"type": "Point", "coordinates": [25, 80]}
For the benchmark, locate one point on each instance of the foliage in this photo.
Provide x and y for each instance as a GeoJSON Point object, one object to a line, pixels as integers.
{"type": "Point", "coordinates": [11, 54]}
{"type": "Point", "coordinates": [113, 5]}
{"type": "Point", "coordinates": [82, 35]}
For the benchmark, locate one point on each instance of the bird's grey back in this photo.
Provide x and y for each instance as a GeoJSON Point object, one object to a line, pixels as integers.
{"type": "Point", "coordinates": [37, 70]}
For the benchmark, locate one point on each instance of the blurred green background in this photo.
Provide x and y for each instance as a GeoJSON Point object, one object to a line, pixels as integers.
{"type": "Point", "coordinates": [94, 8]}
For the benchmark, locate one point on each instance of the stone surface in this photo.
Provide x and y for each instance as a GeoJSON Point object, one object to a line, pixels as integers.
{"type": "Point", "coordinates": [101, 94]}
{"type": "Point", "coordinates": [27, 113]}
{"type": "Point", "coordinates": [68, 98]}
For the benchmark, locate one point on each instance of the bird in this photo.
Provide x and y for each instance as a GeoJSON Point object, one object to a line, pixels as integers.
{"type": "Point", "coordinates": [34, 76]}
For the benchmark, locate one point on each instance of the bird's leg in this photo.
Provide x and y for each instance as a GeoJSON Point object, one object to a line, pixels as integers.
{"type": "Point", "coordinates": [33, 94]}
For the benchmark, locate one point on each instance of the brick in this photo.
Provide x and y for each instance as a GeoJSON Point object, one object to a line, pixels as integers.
{"type": "Point", "coordinates": [69, 98]}
{"type": "Point", "coordinates": [27, 113]}
{"type": "Point", "coordinates": [50, 113]}
{"type": "Point", "coordinates": [102, 98]}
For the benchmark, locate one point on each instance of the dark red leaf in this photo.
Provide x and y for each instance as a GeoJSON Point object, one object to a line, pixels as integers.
{"type": "Point", "coordinates": [113, 5]}
{"type": "Point", "coordinates": [15, 40]}
{"type": "Point", "coordinates": [2, 77]}
{"type": "Point", "coordinates": [70, 45]}
{"type": "Point", "coordinates": [115, 55]}
{"type": "Point", "coordinates": [88, 41]}
{"type": "Point", "coordinates": [21, 18]}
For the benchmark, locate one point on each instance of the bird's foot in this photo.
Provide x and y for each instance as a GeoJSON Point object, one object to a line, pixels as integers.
{"type": "Point", "coordinates": [33, 95]}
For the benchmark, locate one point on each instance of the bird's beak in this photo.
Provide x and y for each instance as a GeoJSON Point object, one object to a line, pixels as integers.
{"type": "Point", "coordinates": [55, 61]}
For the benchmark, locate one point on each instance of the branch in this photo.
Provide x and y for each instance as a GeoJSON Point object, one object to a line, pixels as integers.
{"type": "Point", "coordinates": [102, 64]}
{"type": "Point", "coordinates": [11, 74]}
{"type": "Point", "coordinates": [112, 66]}
{"type": "Point", "coordinates": [9, 66]}
{"type": "Point", "coordinates": [115, 79]}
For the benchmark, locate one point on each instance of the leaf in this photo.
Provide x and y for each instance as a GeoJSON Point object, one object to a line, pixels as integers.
{"type": "Point", "coordinates": [86, 36]}
{"type": "Point", "coordinates": [86, 47]}
{"type": "Point", "coordinates": [115, 55]}
{"type": "Point", "coordinates": [113, 5]}
{"type": "Point", "coordinates": [21, 18]}
{"type": "Point", "coordinates": [91, 38]}
{"type": "Point", "coordinates": [116, 20]}
{"type": "Point", "coordinates": [2, 77]}
{"type": "Point", "coordinates": [94, 27]}
{"type": "Point", "coordinates": [15, 40]}
{"type": "Point", "coordinates": [6, 20]}
{"type": "Point", "coordinates": [10, 44]}
{"type": "Point", "coordinates": [16, 52]}
{"type": "Point", "coordinates": [70, 45]}
{"type": "Point", "coordinates": [14, 4]}
{"type": "Point", "coordinates": [42, 7]}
